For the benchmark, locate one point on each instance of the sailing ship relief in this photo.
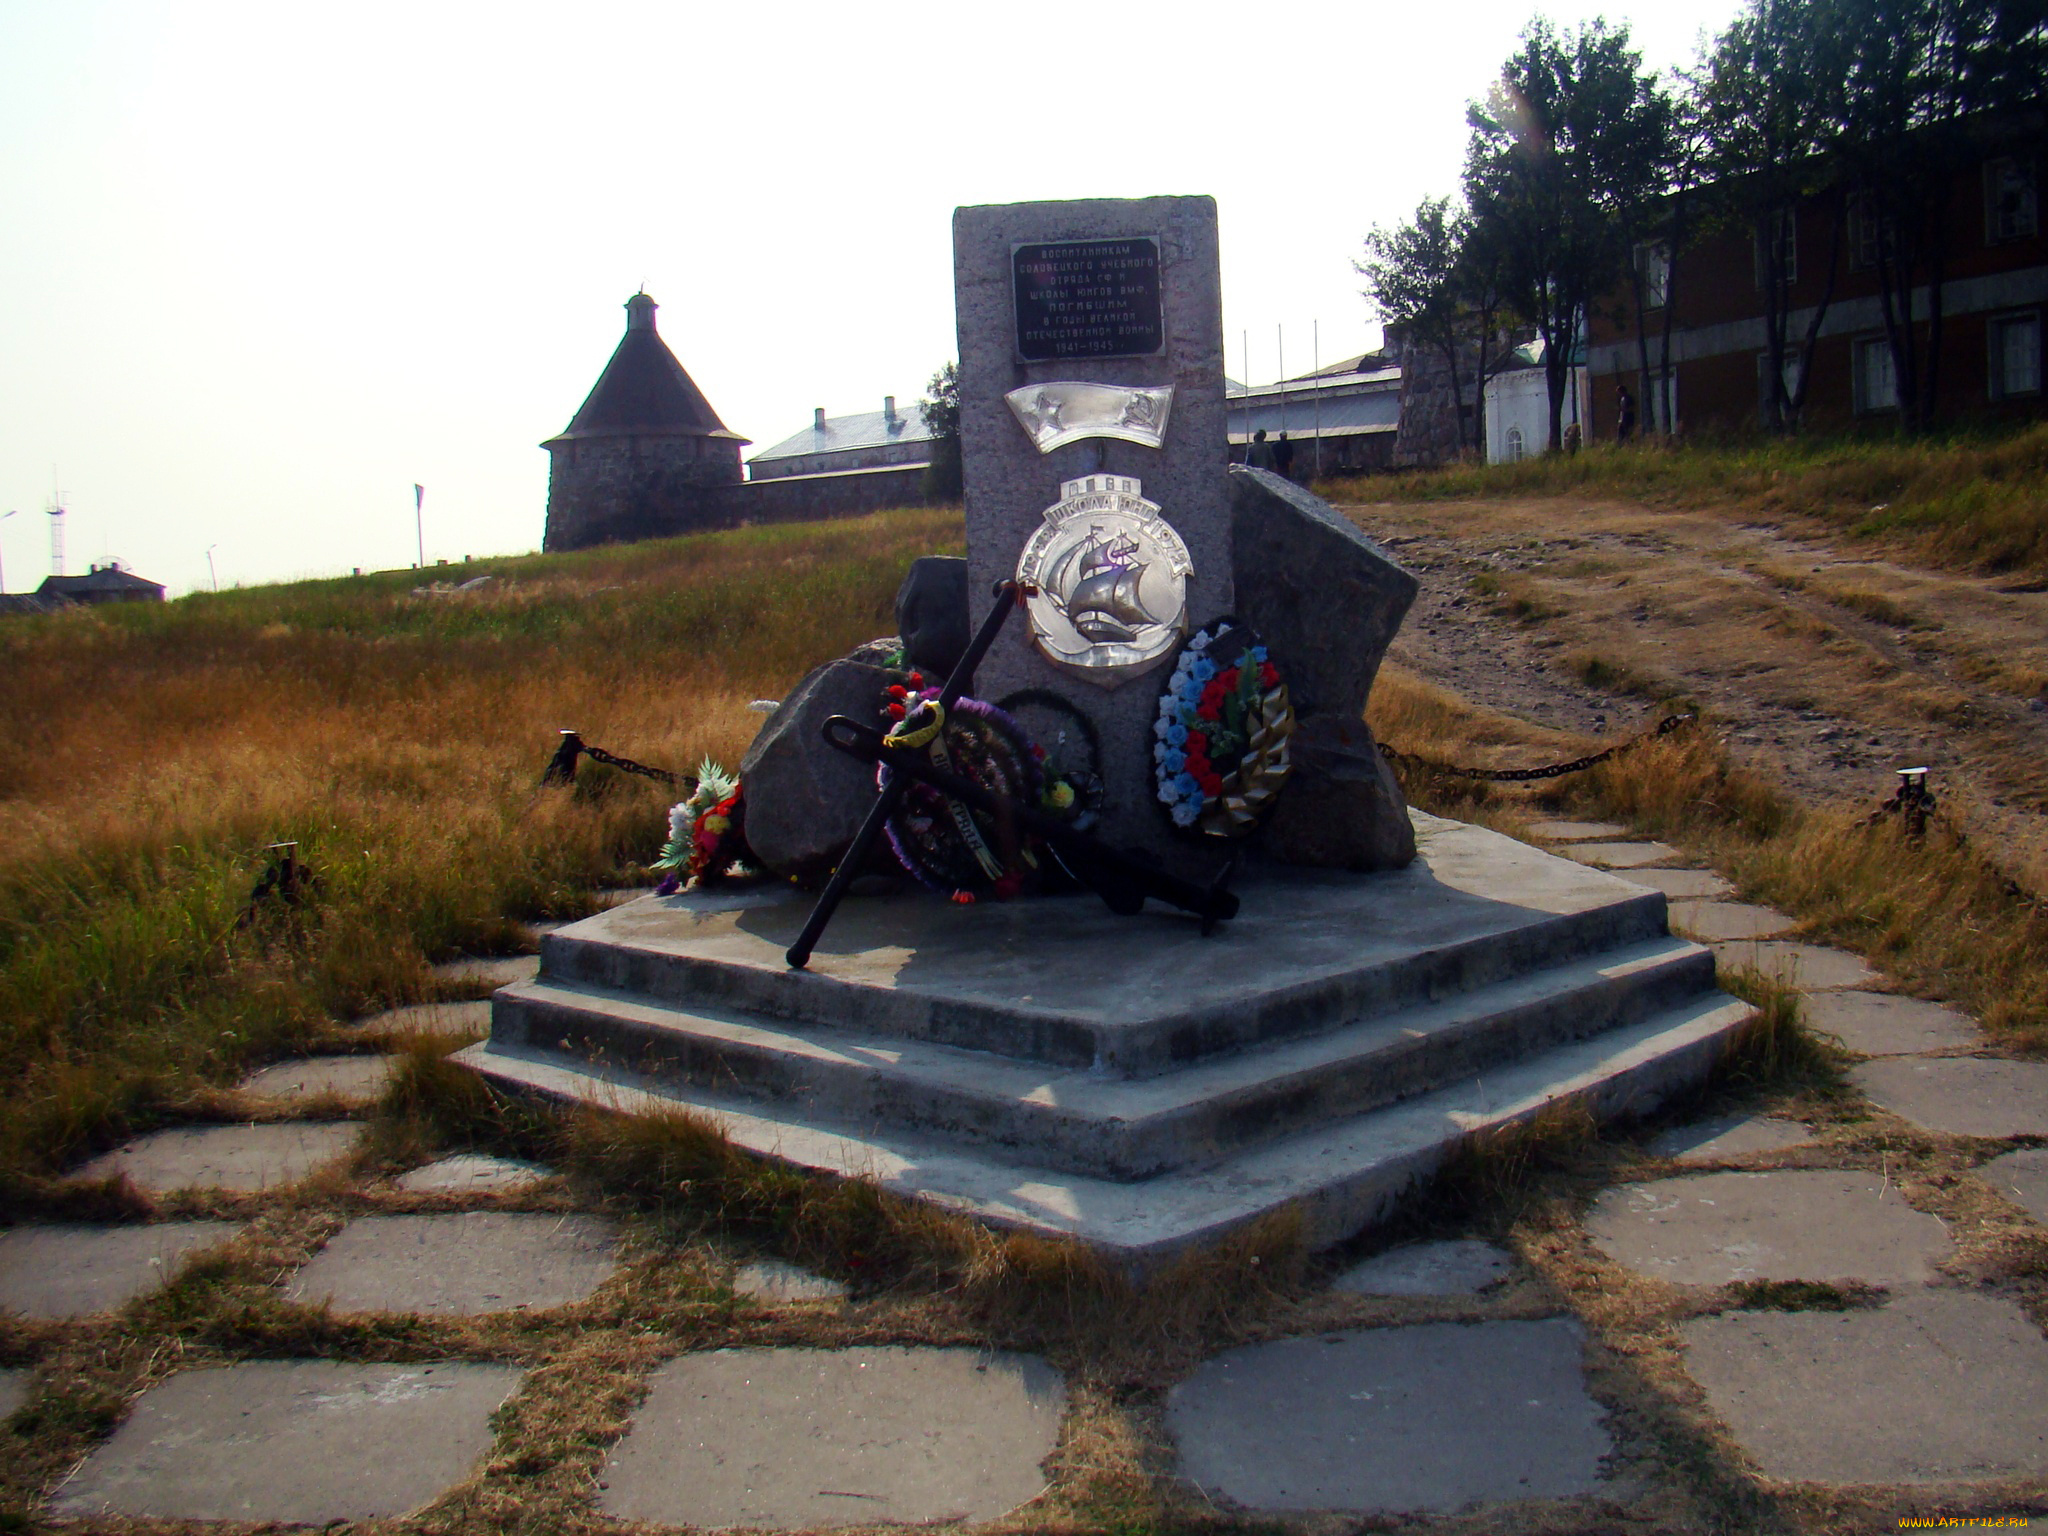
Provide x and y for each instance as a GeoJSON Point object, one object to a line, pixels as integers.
{"type": "Point", "coordinates": [1108, 577]}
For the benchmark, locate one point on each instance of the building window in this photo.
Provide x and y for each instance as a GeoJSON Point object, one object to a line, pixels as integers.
{"type": "Point", "coordinates": [2011, 206]}
{"type": "Point", "coordinates": [2015, 345]}
{"type": "Point", "coordinates": [1871, 233]}
{"type": "Point", "coordinates": [1654, 262]}
{"type": "Point", "coordinates": [1516, 445]}
{"type": "Point", "coordinates": [1781, 227]}
{"type": "Point", "coordinates": [1876, 383]}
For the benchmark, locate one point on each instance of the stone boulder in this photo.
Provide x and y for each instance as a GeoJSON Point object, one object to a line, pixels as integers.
{"type": "Point", "coordinates": [805, 799]}
{"type": "Point", "coordinates": [931, 614]}
{"type": "Point", "coordinates": [1342, 807]}
{"type": "Point", "coordinates": [1326, 597]}
{"type": "Point", "coordinates": [1328, 601]}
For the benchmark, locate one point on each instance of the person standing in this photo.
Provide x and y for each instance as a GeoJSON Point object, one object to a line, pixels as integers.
{"type": "Point", "coordinates": [1261, 455]}
{"type": "Point", "coordinates": [1283, 457]}
{"type": "Point", "coordinates": [1624, 414]}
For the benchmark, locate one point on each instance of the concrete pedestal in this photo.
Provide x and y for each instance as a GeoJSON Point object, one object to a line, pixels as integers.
{"type": "Point", "coordinates": [1049, 1066]}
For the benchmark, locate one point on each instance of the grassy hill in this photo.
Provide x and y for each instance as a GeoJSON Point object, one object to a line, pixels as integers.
{"type": "Point", "coordinates": [149, 754]}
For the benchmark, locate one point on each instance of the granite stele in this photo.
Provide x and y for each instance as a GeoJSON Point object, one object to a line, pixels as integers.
{"type": "Point", "coordinates": [1184, 650]}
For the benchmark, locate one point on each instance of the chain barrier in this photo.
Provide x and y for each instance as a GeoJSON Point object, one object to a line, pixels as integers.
{"type": "Point", "coordinates": [1913, 803]}
{"type": "Point", "coordinates": [286, 880]}
{"type": "Point", "coordinates": [1662, 728]}
{"type": "Point", "coordinates": [561, 768]}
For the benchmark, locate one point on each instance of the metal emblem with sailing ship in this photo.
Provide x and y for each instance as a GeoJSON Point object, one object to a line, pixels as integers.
{"type": "Point", "coordinates": [1107, 576]}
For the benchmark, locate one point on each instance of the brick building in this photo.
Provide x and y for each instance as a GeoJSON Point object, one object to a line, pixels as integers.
{"type": "Point", "coordinates": [1994, 293]}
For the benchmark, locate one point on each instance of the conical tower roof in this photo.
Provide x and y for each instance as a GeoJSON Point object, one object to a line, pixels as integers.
{"type": "Point", "coordinates": [644, 390]}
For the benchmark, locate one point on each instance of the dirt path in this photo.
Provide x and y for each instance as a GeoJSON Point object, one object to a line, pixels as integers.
{"type": "Point", "coordinates": [1826, 669]}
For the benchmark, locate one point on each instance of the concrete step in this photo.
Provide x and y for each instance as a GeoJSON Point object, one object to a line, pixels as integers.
{"type": "Point", "coordinates": [1089, 1122]}
{"type": "Point", "coordinates": [1064, 983]}
{"type": "Point", "coordinates": [1340, 1175]}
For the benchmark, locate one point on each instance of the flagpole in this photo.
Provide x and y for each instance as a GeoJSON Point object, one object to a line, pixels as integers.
{"type": "Point", "coordinates": [1316, 342]}
{"type": "Point", "coordinates": [419, 525]}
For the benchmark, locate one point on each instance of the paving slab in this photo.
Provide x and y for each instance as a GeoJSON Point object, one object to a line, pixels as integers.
{"type": "Point", "coordinates": [360, 1078]}
{"type": "Point", "coordinates": [301, 1442]}
{"type": "Point", "coordinates": [1879, 1024]}
{"type": "Point", "coordinates": [794, 1438]}
{"type": "Point", "coordinates": [1428, 1269]}
{"type": "Point", "coordinates": [1431, 1417]}
{"type": "Point", "coordinates": [772, 1280]}
{"type": "Point", "coordinates": [1682, 884]}
{"type": "Point", "coordinates": [1619, 855]}
{"type": "Point", "coordinates": [72, 1271]}
{"type": "Point", "coordinates": [1809, 967]}
{"type": "Point", "coordinates": [16, 1382]}
{"type": "Point", "coordinates": [1726, 1136]}
{"type": "Point", "coordinates": [1577, 831]}
{"type": "Point", "coordinates": [1710, 920]}
{"type": "Point", "coordinates": [1935, 1386]}
{"type": "Point", "coordinates": [2022, 1177]}
{"type": "Point", "coordinates": [471, 1020]}
{"type": "Point", "coordinates": [498, 970]}
{"type": "Point", "coordinates": [1961, 1095]}
{"type": "Point", "coordinates": [465, 1263]}
{"type": "Point", "coordinates": [472, 1171]}
{"type": "Point", "coordinates": [231, 1157]}
{"type": "Point", "coordinates": [1716, 1228]}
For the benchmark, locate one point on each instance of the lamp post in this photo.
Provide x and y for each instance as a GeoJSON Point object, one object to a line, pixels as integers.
{"type": "Point", "coordinates": [209, 566]}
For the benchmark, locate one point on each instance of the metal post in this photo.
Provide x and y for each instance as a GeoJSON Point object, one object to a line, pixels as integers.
{"type": "Point", "coordinates": [1316, 342]}
{"type": "Point", "coordinates": [1280, 362]}
{"type": "Point", "coordinates": [211, 575]}
{"type": "Point", "coordinates": [419, 527]}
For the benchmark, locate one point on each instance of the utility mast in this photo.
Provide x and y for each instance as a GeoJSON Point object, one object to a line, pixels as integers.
{"type": "Point", "coordinates": [56, 511]}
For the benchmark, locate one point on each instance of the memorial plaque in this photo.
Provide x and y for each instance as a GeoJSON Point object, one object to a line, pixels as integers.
{"type": "Point", "coordinates": [1087, 298]}
{"type": "Point", "coordinates": [1055, 394]}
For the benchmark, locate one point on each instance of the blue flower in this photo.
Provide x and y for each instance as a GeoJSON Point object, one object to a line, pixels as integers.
{"type": "Point", "coordinates": [1203, 670]}
{"type": "Point", "coordinates": [1174, 760]}
{"type": "Point", "coordinates": [1189, 693]}
{"type": "Point", "coordinates": [1201, 641]}
{"type": "Point", "coordinates": [1176, 735]}
{"type": "Point", "coordinates": [1162, 726]}
{"type": "Point", "coordinates": [1189, 789]}
{"type": "Point", "coordinates": [1169, 794]}
{"type": "Point", "coordinates": [1184, 814]}
{"type": "Point", "coordinates": [1259, 654]}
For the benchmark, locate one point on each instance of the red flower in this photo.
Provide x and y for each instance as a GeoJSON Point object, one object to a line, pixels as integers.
{"type": "Point", "coordinates": [896, 711]}
{"type": "Point", "coordinates": [1198, 763]}
{"type": "Point", "coordinates": [1228, 681]}
{"type": "Point", "coordinates": [1212, 697]}
{"type": "Point", "coordinates": [1211, 782]}
{"type": "Point", "coordinates": [917, 679]}
{"type": "Point", "coordinates": [1269, 675]}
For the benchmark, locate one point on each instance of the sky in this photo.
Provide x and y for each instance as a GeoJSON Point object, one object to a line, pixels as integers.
{"type": "Point", "coordinates": [264, 268]}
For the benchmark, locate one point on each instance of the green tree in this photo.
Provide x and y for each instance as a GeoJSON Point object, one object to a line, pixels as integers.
{"type": "Point", "coordinates": [1924, 78]}
{"type": "Point", "coordinates": [940, 409]}
{"type": "Point", "coordinates": [1430, 278]}
{"type": "Point", "coordinates": [1771, 101]}
{"type": "Point", "coordinates": [1564, 152]}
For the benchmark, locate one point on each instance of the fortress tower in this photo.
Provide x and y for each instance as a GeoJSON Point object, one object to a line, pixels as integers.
{"type": "Point", "coordinates": [646, 456]}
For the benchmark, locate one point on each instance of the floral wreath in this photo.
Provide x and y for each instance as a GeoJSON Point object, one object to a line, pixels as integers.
{"type": "Point", "coordinates": [706, 833]}
{"type": "Point", "coordinates": [1222, 733]}
{"type": "Point", "coordinates": [952, 848]}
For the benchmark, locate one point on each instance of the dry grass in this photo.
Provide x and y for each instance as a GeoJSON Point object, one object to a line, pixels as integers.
{"type": "Point", "coordinates": [1976, 502]}
{"type": "Point", "coordinates": [1934, 912]}
{"type": "Point", "coordinates": [148, 754]}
